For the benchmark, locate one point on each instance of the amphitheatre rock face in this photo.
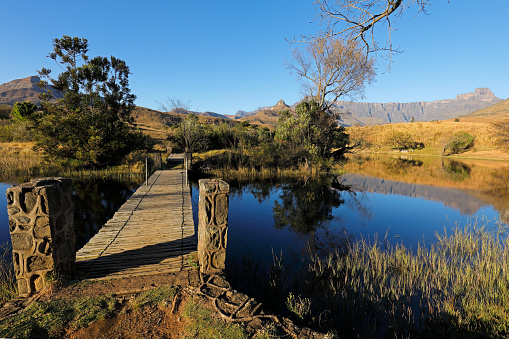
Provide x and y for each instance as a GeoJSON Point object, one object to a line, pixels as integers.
{"type": "Point", "coordinates": [362, 113]}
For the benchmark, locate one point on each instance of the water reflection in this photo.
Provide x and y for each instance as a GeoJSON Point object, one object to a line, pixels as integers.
{"type": "Point", "coordinates": [95, 202]}
{"type": "Point", "coordinates": [481, 182]}
{"type": "Point", "coordinates": [409, 199]}
{"type": "Point", "coordinates": [456, 170]}
{"type": "Point", "coordinates": [303, 206]}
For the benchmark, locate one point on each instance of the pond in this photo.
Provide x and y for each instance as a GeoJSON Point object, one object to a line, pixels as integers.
{"type": "Point", "coordinates": [407, 200]}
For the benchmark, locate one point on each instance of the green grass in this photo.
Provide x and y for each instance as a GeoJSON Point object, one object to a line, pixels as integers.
{"type": "Point", "coordinates": [49, 318]}
{"type": "Point", "coordinates": [201, 324]}
{"type": "Point", "coordinates": [155, 296]}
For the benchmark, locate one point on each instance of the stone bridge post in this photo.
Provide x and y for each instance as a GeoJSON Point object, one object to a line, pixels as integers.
{"type": "Point", "coordinates": [41, 224]}
{"type": "Point", "coordinates": [212, 225]}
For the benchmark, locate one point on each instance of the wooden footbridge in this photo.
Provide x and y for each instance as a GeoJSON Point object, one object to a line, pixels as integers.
{"type": "Point", "coordinates": [153, 232]}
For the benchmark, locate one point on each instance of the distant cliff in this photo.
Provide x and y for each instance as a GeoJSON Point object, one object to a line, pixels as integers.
{"type": "Point", "coordinates": [360, 113]}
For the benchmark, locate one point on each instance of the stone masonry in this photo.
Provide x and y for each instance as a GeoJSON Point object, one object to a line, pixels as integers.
{"type": "Point", "coordinates": [212, 225]}
{"type": "Point", "coordinates": [41, 224]}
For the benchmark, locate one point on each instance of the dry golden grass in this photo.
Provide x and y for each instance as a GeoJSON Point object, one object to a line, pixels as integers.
{"type": "Point", "coordinates": [21, 161]}
{"type": "Point", "coordinates": [431, 134]}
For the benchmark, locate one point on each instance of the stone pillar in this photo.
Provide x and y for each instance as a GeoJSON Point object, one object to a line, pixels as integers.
{"type": "Point", "coordinates": [41, 224]}
{"type": "Point", "coordinates": [212, 225]}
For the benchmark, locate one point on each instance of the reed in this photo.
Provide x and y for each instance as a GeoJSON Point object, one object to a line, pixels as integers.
{"type": "Point", "coordinates": [248, 174]}
{"type": "Point", "coordinates": [8, 284]}
{"type": "Point", "coordinates": [248, 167]}
{"type": "Point", "coordinates": [21, 162]}
{"type": "Point", "coordinates": [458, 287]}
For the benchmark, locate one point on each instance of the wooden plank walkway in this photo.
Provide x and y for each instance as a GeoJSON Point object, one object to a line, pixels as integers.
{"type": "Point", "coordinates": [153, 232]}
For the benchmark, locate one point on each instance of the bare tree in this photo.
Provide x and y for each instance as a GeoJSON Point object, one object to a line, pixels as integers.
{"type": "Point", "coordinates": [187, 125]}
{"type": "Point", "coordinates": [175, 105]}
{"type": "Point", "coordinates": [357, 19]}
{"type": "Point", "coordinates": [332, 68]}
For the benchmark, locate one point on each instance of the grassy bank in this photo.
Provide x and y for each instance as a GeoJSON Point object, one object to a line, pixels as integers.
{"type": "Point", "coordinates": [21, 161]}
{"type": "Point", "coordinates": [161, 312]}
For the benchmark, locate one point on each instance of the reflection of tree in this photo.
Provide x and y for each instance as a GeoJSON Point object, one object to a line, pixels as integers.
{"type": "Point", "coordinates": [306, 206]}
{"type": "Point", "coordinates": [456, 170]}
{"type": "Point", "coordinates": [262, 190]}
{"type": "Point", "coordinates": [95, 202]}
{"type": "Point", "coordinates": [401, 166]}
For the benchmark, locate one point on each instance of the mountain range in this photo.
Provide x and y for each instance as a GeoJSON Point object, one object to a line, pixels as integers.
{"type": "Point", "coordinates": [351, 113]}
{"type": "Point", "coordinates": [363, 113]}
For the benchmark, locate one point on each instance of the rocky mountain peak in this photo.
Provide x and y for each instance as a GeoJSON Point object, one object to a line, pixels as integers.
{"type": "Point", "coordinates": [484, 92]}
{"type": "Point", "coordinates": [280, 105]}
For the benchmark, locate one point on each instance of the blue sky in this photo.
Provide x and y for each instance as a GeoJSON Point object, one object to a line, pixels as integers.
{"type": "Point", "coordinates": [225, 56]}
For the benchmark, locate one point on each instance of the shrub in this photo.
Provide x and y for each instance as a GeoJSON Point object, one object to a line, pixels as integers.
{"type": "Point", "coordinates": [22, 110]}
{"type": "Point", "coordinates": [458, 143]}
{"type": "Point", "coordinates": [5, 112]}
{"type": "Point", "coordinates": [15, 132]}
{"type": "Point", "coordinates": [401, 140]}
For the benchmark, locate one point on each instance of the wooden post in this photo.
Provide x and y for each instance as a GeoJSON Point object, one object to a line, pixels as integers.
{"type": "Point", "coordinates": [212, 225]}
{"type": "Point", "coordinates": [146, 169]}
{"type": "Point", "coordinates": [41, 224]}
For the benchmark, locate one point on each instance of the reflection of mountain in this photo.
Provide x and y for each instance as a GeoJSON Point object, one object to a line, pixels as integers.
{"type": "Point", "coordinates": [451, 197]}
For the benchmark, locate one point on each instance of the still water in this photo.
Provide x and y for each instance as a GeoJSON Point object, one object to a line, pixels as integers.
{"type": "Point", "coordinates": [408, 200]}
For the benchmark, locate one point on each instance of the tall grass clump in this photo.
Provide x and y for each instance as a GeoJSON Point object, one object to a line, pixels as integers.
{"type": "Point", "coordinates": [21, 161]}
{"type": "Point", "coordinates": [458, 287]}
{"type": "Point", "coordinates": [8, 284]}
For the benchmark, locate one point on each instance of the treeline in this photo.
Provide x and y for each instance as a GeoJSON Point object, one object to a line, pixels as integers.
{"type": "Point", "coordinates": [307, 137]}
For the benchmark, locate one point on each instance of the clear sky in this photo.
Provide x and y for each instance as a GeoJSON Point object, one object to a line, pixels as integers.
{"type": "Point", "coordinates": [224, 56]}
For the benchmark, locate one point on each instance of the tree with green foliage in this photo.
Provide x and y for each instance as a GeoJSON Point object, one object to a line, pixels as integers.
{"type": "Point", "coordinates": [191, 135]}
{"type": "Point", "coordinates": [458, 143]}
{"type": "Point", "coordinates": [21, 110]}
{"type": "Point", "coordinates": [401, 141]}
{"type": "Point", "coordinates": [311, 133]}
{"type": "Point", "coordinates": [90, 125]}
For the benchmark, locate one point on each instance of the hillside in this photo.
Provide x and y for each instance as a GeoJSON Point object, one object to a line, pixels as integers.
{"type": "Point", "coordinates": [157, 123]}
{"type": "Point", "coordinates": [493, 113]}
{"type": "Point", "coordinates": [25, 89]}
{"type": "Point", "coordinates": [433, 134]}
{"type": "Point", "coordinates": [267, 116]}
